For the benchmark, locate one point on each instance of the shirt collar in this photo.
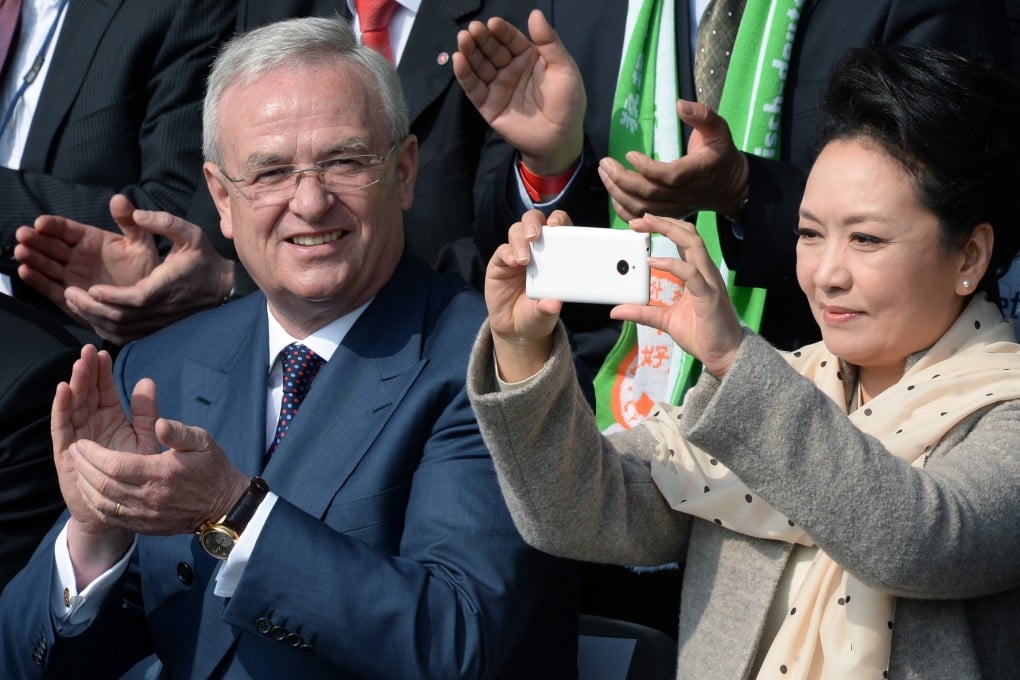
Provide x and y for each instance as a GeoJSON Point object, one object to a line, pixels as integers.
{"type": "Point", "coordinates": [410, 5]}
{"type": "Point", "coordinates": [323, 341]}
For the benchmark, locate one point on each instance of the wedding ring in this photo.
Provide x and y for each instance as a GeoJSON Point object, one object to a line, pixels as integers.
{"type": "Point", "coordinates": [116, 510]}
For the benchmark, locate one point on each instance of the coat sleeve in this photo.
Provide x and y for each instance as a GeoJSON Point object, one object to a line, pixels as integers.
{"type": "Point", "coordinates": [571, 491]}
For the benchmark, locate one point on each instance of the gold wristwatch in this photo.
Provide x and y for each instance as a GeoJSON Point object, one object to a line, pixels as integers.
{"type": "Point", "coordinates": [218, 538]}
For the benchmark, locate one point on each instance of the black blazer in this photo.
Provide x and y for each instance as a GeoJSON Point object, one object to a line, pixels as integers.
{"type": "Point", "coordinates": [120, 111]}
{"type": "Point", "coordinates": [593, 33]}
{"type": "Point", "coordinates": [459, 152]}
{"type": "Point", "coordinates": [35, 354]}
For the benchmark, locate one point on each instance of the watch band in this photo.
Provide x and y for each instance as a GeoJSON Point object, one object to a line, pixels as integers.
{"type": "Point", "coordinates": [242, 512]}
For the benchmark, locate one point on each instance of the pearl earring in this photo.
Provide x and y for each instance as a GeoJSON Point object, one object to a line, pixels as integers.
{"type": "Point", "coordinates": [966, 283]}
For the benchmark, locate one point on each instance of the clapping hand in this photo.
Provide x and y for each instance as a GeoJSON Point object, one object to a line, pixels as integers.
{"type": "Point", "coordinates": [712, 175]}
{"type": "Point", "coordinates": [529, 91]}
{"type": "Point", "coordinates": [116, 283]}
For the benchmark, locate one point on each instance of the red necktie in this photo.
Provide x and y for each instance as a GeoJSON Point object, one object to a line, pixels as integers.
{"type": "Point", "coordinates": [374, 18]}
{"type": "Point", "coordinates": [300, 365]}
{"type": "Point", "coordinates": [10, 11]}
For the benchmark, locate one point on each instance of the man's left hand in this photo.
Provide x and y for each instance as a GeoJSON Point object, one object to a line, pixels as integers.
{"type": "Point", "coordinates": [170, 493]}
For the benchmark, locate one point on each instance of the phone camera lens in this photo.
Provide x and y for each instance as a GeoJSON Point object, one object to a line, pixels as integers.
{"type": "Point", "coordinates": [623, 266]}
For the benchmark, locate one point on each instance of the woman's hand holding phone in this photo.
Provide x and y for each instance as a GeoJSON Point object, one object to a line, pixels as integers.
{"type": "Point", "coordinates": [521, 327]}
{"type": "Point", "coordinates": [703, 321]}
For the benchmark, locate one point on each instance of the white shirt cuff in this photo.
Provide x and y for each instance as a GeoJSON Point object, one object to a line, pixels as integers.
{"type": "Point", "coordinates": [74, 611]}
{"type": "Point", "coordinates": [232, 569]}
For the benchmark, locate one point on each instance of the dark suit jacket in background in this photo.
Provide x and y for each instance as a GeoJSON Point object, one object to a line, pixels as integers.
{"type": "Point", "coordinates": [35, 354]}
{"type": "Point", "coordinates": [120, 111]}
{"type": "Point", "coordinates": [593, 33]}
{"type": "Point", "coordinates": [459, 152]}
{"type": "Point", "coordinates": [390, 550]}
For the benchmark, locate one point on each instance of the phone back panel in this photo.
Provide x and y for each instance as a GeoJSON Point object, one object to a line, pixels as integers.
{"type": "Point", "coordinates": [589, 264]}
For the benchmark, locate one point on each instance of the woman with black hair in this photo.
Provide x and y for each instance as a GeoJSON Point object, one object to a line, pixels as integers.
{"type": "Point", "coordinates": [848, 510]}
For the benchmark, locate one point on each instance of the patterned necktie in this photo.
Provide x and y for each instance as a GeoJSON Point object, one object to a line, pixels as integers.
{"type": "Point", "coordinates": [716, 33]}
{"type": "Point", "coordinates": [374, 19]}
{"type": "Point", "coordinates": [10, 11]}
{"type": "Point", "coordinates": [300, 365]}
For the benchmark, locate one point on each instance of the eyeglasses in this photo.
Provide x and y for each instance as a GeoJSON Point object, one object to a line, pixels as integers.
{"type": "Point", "coordinates": [278, 184]}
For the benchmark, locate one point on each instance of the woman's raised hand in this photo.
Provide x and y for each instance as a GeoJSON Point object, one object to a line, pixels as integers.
{"type": "Point", "coordinates": [703, 321]}
{"type": "Point", "coordinates": [521, 328]}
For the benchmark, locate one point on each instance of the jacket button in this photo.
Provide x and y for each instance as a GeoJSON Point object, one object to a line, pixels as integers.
{"type": "Point", "coordinates": [279, 632]}
{"type": "Point", "coordinates": [185, 574]}
{"type": "Point", "coordinates": [293, 640]}
{"type": "Point", "coordinates": [264, 624]}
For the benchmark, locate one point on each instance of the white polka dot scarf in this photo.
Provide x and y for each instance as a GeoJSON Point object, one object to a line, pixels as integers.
{"type": "Point", "coordinates": [838, 627]}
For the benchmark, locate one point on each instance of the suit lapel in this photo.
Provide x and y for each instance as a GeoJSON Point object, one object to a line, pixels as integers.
{"type": "Point", "coordinates": [423, 72]}
{"type": "Point", "coordinates": [349, 402]}
{"type": "Point", "coordinates": [79, 38]}
{"type": "Point", "coordinates": [224, 392]}
{"type": "Point", "coordinates": [352, 397]}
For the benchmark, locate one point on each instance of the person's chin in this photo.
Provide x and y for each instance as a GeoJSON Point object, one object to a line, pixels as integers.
{"type": "Point", "coordinates": [842, 342]}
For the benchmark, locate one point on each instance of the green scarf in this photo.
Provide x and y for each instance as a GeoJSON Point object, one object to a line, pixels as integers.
{"type": "Point", "coordinates": [751, 103]}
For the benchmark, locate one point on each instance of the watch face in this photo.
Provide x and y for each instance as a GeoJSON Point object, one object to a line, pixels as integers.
{"type": "Point", "coordinates": [217, 542]}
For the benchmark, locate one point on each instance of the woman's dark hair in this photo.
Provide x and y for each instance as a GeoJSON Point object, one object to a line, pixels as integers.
{"type": "Point", "coordinates": [953, 125]}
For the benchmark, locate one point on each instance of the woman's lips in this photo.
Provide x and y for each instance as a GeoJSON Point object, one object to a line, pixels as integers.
{"type": "Point", "coordinates": [839, 315]}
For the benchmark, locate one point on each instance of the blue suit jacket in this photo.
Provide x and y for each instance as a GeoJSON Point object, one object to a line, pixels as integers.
{"type": "Point", "coordinates": [390, 553]}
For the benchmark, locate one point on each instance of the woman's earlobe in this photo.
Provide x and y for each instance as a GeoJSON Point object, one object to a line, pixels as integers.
{"type": "Point", "coordinates": [977, 256]}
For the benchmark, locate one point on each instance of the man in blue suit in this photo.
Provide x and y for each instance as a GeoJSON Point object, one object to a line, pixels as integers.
{"type": "Point", "coordinates": [372, 541]}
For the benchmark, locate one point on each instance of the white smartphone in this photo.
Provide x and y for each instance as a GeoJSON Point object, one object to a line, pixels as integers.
{"type": "Point", "coordinates": [589, 264]}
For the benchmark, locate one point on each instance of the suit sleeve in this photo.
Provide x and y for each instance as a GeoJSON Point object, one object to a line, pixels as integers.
{"type": "Point", "coordinates": [29, 644]}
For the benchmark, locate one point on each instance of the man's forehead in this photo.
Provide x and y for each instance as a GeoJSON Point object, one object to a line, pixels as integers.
{"type": "Point", "coordinates": [293, 112]}
{"type": "Point", "coordinates": [309, 146]}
